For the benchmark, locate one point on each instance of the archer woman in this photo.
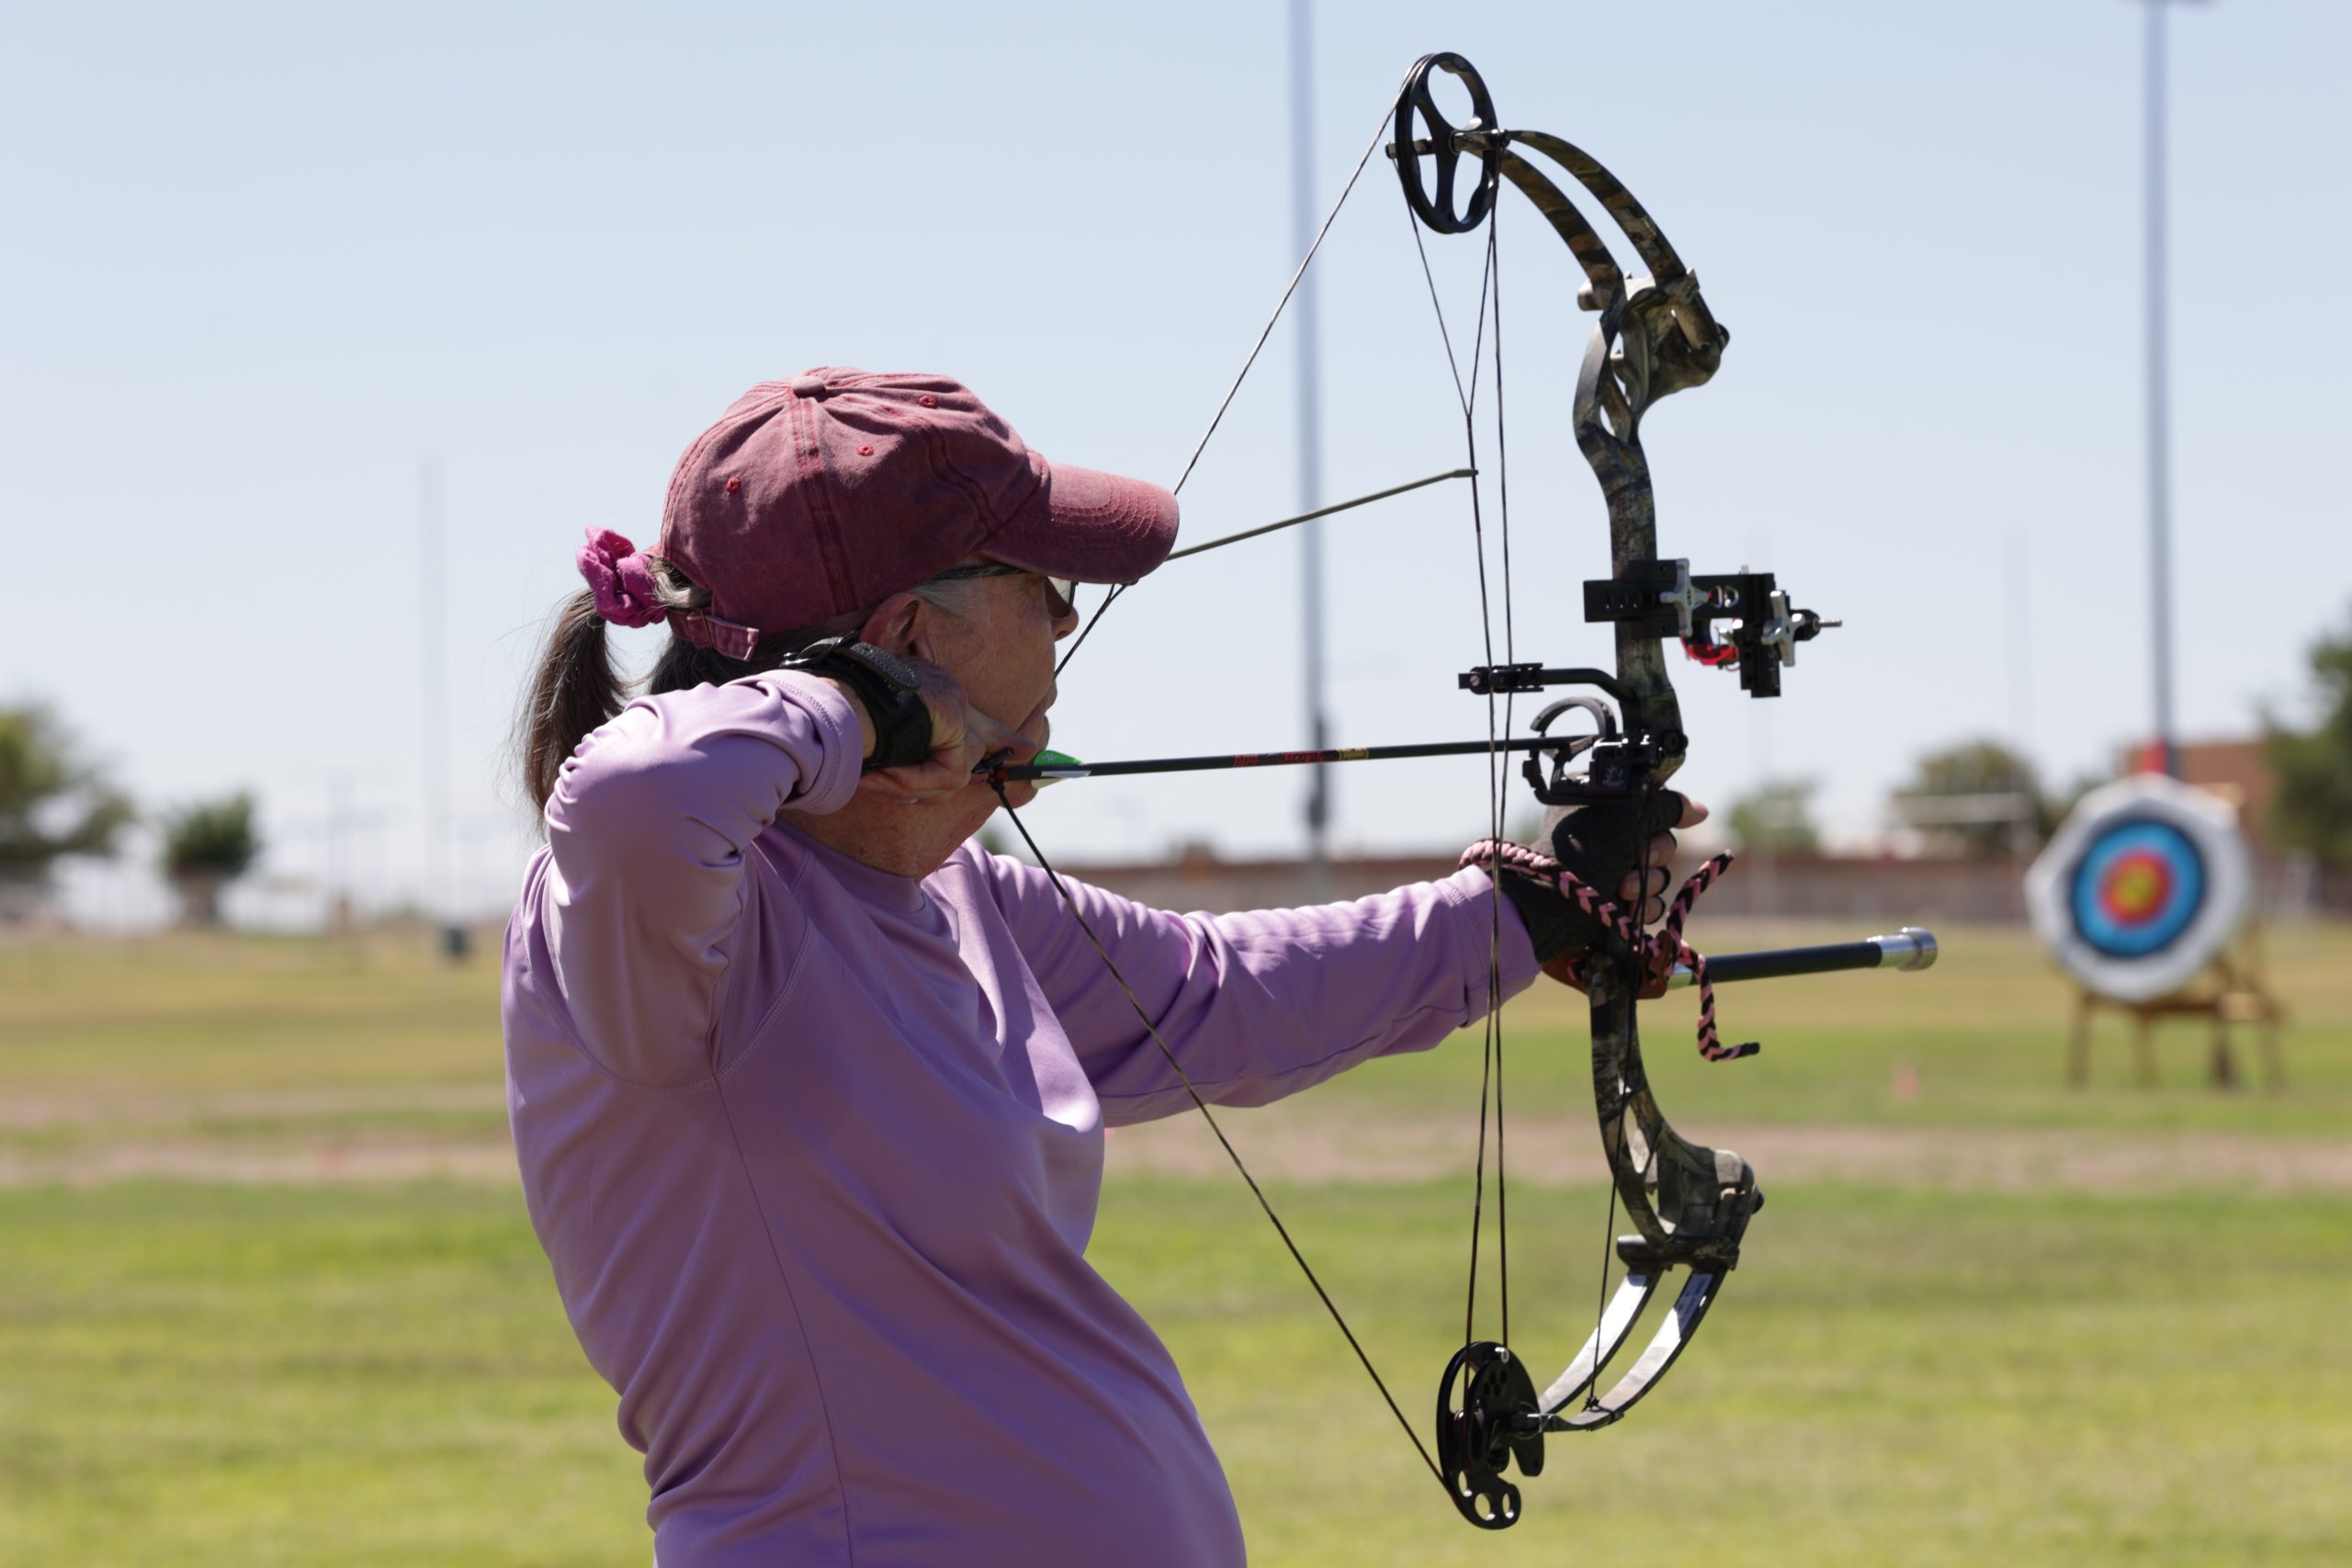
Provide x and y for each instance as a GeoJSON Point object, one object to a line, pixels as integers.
{"type": "Point", "coordinates": [809, 1092]}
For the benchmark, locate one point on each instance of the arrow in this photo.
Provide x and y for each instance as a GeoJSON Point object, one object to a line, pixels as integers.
{"type": "Point", "coordinates": [1053, 767]}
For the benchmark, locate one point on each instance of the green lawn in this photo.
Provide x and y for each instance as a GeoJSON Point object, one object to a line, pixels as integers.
{"type": "Point", "coordinates": [265, 1368]}
{"type": "Point", "coordinates": [288, 1375]}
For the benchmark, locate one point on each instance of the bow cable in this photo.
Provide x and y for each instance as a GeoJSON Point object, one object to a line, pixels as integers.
{"type": "Point", "coordinates": [1499, 726]}
{"type": "Point", "coordinates": [1498, 775]}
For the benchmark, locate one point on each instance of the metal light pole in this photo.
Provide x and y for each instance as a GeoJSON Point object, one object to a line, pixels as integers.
{"type": "Point", "coordinates": [432, 687]}
{"type": "Point", "coordinates": [2159, 391]}
{"type": "Point", "coordinates": [1310, 445]}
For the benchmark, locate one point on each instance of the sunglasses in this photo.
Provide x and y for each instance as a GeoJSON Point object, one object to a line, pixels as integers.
{"type": "Point", "coordinates": [1061, 592]}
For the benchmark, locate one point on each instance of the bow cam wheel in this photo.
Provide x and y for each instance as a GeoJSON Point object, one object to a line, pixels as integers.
{"type": "Point", "coordinates": [1445, 144]}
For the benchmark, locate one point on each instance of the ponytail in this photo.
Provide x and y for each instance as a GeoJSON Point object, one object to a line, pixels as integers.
{"type": "Point", "coordinates": [575, 690]}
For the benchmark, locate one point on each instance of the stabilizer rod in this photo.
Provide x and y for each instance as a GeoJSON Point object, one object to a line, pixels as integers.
{"type": "Point", "coordinates": [1910, 948]}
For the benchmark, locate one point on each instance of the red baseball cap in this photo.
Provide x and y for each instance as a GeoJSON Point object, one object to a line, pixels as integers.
{"type": "Point", "coordinates": [823, 495]}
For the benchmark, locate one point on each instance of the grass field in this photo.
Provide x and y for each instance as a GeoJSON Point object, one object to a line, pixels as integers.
{"type": "Point", "coordinates": [268, 1295]}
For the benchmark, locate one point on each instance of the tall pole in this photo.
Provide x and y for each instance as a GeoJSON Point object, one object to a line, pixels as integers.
{"type": "Point", "coordinates": [432, 752]}
{"type": "Point", "coordinates": [2021, 645]}
{"type": "Point", "coordinates": [340, 815]}
{"type": "Point", "coordinates": [2021, 826]}
{"type": "Point", "coordinates": [1310, 444]}
{"type": "Point", "coordinates": [2159, 396]}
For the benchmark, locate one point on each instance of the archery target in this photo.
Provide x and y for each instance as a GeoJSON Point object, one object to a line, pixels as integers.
{"type": "Point", "coordinates": [2140, 888]}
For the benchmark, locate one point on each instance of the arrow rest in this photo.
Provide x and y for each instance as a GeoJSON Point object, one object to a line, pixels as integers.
{"type": "Point", "coordinates": [1546, 771]}
{"type": "Point", "coordinates": [1617, 765]}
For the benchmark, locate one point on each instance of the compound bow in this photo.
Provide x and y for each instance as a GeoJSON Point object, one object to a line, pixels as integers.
{"type": "Point", "coordinates": [1689, 1205]}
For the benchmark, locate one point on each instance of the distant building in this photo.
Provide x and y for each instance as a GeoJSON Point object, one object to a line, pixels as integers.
{"type": "Point", "coordinates": [2240, 774]}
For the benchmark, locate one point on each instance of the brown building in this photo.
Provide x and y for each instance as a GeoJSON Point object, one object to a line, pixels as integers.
{"type": "Point", "coordinates": [2239, 772]}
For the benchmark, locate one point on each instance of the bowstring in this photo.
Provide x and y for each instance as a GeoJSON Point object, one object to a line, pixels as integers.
{"type": "Point", "coordinates": [1200, 1103]}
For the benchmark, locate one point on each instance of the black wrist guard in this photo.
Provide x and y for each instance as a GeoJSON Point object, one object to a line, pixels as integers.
{"type": "Point", "coordinates": [1554, 926]}
{"type": "Point", "coordinates": [889, 692]}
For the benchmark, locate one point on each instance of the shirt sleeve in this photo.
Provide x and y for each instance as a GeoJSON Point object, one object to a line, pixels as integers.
{"type": "Point", "coordinates": [1259, 1005]}
{"type": "Point", "coordinates": [647, 829]}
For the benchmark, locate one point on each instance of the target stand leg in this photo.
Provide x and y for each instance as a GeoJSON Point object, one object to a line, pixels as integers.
{"type": "Point", "coordinates": [2224, 1068]}
{"type": "Point", "coordinates": [2078, 1043]}
{"type": "Point", "coordinates": [2143, 1046]}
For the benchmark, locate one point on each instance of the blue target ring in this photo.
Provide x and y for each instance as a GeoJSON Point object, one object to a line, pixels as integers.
{"type": "Point", "coordinates": [2137, 887]}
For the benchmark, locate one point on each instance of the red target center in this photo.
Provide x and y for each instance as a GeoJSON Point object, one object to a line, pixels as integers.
{"type": "Point", "coordinates": [2136, 888]}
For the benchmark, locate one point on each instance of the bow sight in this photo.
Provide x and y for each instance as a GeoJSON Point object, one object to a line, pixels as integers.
{"type": "Point", "coordinates": [1661, 599]}
{"type": "Point", "coordinates": [1655, 599]}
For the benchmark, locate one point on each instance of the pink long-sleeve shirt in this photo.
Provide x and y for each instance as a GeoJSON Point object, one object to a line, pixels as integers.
{"type": "Point", "coordinates": [815, 1149]}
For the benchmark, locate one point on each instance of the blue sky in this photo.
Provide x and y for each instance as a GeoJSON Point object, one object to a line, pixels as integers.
{"type": "Point", "coordinates": [263, 260]}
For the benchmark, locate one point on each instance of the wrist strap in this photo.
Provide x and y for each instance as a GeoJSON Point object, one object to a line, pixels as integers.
{"type": "Point", "coordinates": [889, 690]}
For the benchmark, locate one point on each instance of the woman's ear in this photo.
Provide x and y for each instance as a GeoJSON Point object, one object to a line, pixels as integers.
{"type": "Point", "coordinates": [899, 624]}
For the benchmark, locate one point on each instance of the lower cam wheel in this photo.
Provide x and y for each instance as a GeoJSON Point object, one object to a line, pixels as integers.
{"type": "Point", "coordinates": [1487, 1419]}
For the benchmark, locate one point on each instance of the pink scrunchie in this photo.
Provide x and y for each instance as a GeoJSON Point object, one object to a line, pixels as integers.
{"type": "Point", "coordinates": [619, 578]}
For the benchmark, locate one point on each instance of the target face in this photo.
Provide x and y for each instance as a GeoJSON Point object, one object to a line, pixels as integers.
{"type": "Point", "coordinates": [2140, 888]}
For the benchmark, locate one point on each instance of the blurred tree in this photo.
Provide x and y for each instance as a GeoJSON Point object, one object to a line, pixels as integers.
{"type": "Point", "coordinates": [52, 803]}
{"type": "Point", "coordinates": [2314, 808]}
{"type": "Point", "coordinates": [205, 847]}
{"type": "Point", "coordinates": [1979, 800]}
{"type": "Point", "coordinates": [1777, 814]}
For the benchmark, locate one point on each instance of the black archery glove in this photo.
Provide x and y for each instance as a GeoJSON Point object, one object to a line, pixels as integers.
{"type": "Point", "coordinates": [1600, 844]}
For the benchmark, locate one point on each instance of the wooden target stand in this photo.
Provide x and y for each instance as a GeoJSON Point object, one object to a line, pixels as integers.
{"type": "Point", "coordinates": [2232, 992]}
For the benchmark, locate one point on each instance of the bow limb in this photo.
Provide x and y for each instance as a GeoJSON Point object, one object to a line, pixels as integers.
{"type": "Point", "coordinates": [1702, 1197]}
